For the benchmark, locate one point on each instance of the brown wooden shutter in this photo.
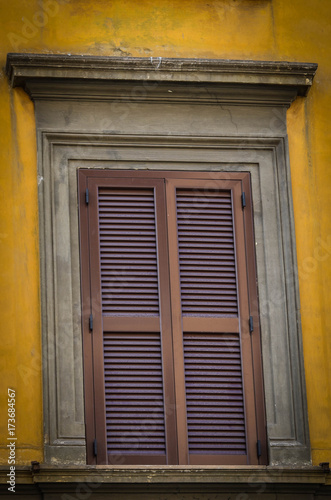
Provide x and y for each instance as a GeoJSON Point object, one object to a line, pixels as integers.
{"type": "Point", "coordinates": [129, 285]}
{"type": "Point", "coordinates": [132, 350]}
{"type": "Point", "coordinates": [172, 373]}
{"type": "Point", "coordinates": [210, 300]}
{"type": "Point", "coordinates": [213, 375]}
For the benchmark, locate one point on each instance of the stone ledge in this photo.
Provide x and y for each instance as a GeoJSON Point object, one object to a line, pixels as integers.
{"type": "Point", "coordinates": [171, 483]}
{"type": "Point", "coordinates": [169, 474]}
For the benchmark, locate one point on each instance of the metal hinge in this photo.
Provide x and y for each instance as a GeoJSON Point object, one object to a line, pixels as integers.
{"type": "Point", "coordinates": [95, 448]}
{"type": "Point", "coordinates": [243, 200]}
{"type": "Point", "coordinates": [91, 322]}
{"type": "Point", "coordinates": [87, 197]}
{"type": "Point", "coordinates": [258, 448]}
{"type": "Point", "coordinates": [250, 322]}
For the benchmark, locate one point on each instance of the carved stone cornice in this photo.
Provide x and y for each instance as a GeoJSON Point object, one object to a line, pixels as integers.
{"type": "Point", "coordinates": [53, 76]}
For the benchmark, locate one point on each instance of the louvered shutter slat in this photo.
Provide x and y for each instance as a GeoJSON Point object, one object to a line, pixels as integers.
{"type": "Point", "coordinates": [124, 215]}
{"type": "Point", "coordinates": [214, 394]}
{"type": "Point", "coordinates": [210, 214]}
{"type": "Point", "coordinates": [132, 366]}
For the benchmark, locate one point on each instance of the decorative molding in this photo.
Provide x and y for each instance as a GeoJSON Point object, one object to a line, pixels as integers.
{"type": "Point", "coordinates": [53, 76]}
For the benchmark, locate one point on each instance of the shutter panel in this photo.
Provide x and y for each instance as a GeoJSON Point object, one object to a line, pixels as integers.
{"type": "Point", "coordinates": [128, 268]}
{"type": "Point", "coordinates": [134, 400]}
{"type": "Point", "coordinates": [210, 320]}
{"type": "Point", "coordinates": [208, 287]}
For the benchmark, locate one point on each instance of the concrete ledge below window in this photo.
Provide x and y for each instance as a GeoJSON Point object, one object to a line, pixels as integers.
{"type": "Point", "coordinates": [180, 482]}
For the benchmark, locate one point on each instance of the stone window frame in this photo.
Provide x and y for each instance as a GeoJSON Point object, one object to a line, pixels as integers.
{"type": "Point", "coordinates": [65, 89]}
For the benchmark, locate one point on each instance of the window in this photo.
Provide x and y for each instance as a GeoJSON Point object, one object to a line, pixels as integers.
{"type": "Point", "coordinates": [197, 115]}
{"type": "Point", "coordinates": [172, 366]}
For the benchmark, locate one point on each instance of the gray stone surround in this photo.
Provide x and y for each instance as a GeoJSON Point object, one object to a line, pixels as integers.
{"type": "Point", "coordinates": [203, 116]}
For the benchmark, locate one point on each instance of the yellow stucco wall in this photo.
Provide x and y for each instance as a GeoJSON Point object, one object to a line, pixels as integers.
{"type": "Point", "coordinates": [299, 30]}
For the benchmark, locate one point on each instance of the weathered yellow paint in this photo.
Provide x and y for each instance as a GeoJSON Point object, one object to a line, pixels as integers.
{"type": "Point", "coordinates": [20, 340]}
{"type": "Point", "coordinates": [299, 30]}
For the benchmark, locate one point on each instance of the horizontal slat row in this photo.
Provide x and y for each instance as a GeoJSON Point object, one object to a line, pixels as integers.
{"type": "Point", "coordinates": [214, 394]}
{"type": "Point", "coordinates": [206, 253]}
{"type": "Point", "coordinates": [128, 255]}
{"type": "Point", "coordinates": [134, 394]}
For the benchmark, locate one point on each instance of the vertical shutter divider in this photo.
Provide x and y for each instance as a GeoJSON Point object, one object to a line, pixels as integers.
{"type": "Point", "coordinates": [177, 332]}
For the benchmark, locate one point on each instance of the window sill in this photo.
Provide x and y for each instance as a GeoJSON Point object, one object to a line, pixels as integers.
{"type": "Point", "coordinates": [138, 482]}
{"type": "Point", "coordinates": [160, 474]}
